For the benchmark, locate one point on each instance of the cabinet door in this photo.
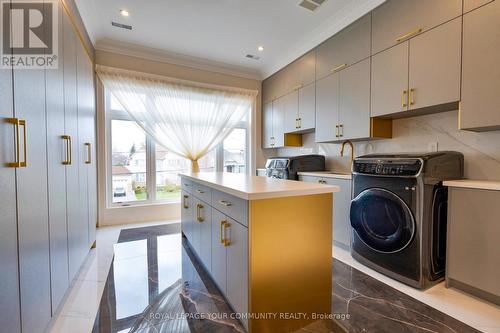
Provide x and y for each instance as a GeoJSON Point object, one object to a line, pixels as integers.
{"type": "Point", "coordinates": [435, 60]}
{"type": "Point", "coordinates": [32, 203]}
{"type": "Point", "coordinates": [341, 208]}
{"type": "Point", "coordinates": [218, 250]}
{"type": "Point", "coordinates": [354, 110]}
{"type": "Point", "coordinates": [83, 137]}
{"type": "Point", "coordinates": [390, 81]}
{"type": "Point", "coordinates": [56, 155]}
{"type": "Point", "coordinates": [397, 18]}
{"type": "Point", "coordinates": [473, 4]}
{"type": "Point", "coordinates": [273, 87]}
{"type": "Point", "coordinates": [278, 122]}
{"type": "Point", "coordinates": [291, 111]}
{"type": "Point", "coordinates": [346, 47]}
{"type": "Point", "coordinates": [205, 226]}
{"type": "Point", "coordinates": [327, 108]}
{"type": "Point", "coordinates": [10, 320]}
{"type": "Point", "coordinates": [77, 227]}
{"type": "Point", "coordinates": [301, 72]}
{"type": "Point", "coordinates": [307, 107]}
{"type": "Point", "coordinates": [267, 125]}
{"type": "Point", "coordinates": [237, 266]}
{"type": "Point", "coordinates": [480, 70]}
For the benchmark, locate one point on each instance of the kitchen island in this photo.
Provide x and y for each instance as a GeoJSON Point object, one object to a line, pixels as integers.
{"type": "Point", "coordinates": [267, 244]}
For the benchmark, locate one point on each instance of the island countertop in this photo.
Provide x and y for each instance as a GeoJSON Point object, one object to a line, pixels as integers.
{"type": "Point", "coordinates": [254, 188]}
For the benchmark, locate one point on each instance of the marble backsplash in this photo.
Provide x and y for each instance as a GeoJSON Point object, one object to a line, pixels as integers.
{"type": "Point", "coordinates": [481, 150]}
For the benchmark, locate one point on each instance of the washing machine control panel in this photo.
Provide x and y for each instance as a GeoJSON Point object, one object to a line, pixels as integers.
{"type": "Point", "coordinates": [406, 168]}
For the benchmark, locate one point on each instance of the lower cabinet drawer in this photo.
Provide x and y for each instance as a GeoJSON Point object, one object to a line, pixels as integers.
{"type": "Point", "coordinates": [186, 184]}
{"type": "Point", "coordinates": [202, 192]}
{"type": "Point", "coordinates": [232, 206]}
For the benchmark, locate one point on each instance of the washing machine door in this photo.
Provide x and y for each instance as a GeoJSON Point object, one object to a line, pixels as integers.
{"type": "Point", "coordinates": [382, 220]}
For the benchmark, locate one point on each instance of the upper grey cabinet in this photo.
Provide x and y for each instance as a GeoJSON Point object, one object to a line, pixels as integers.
{"type": "Point", "coordinates": [267, 125]}
{"type": "Point", "coordinates": [272, 87]}
{"type": "Point", "coordinates": [473, 4]}
{"type": "Point", "coordinates": [397, 20]}
{"type": "Point", "coordinates": [420, 73]}
{"type": "Point", "coordinates": [480, 109]}
{"type": "Point", "coordinates": [434, 75]}
{"type": "Point", "coordinates": [327, 108]}
{"type": "Point", "coordinates": [389, 81]}
{"type": "Point", "coordinates": [300, 73]}
{"type": "Point", "coordinates": [299, 109]}
{"type": "Point", "coordinates": [349, 46]}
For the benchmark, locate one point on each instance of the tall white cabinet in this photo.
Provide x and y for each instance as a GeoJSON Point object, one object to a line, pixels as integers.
{"type": "Point", "coordinates": [48, 180]}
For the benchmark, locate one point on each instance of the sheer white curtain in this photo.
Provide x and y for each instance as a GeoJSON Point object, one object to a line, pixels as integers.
{"type": "Point", "coordinates": [185, 118]}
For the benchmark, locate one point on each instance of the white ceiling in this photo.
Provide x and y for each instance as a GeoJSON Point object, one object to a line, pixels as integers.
{"type": "Point", "coordinates": [217, 34]}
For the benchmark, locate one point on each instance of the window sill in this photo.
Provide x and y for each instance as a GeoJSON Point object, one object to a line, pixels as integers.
{"type": "Point", "coordinates": [137, 205]}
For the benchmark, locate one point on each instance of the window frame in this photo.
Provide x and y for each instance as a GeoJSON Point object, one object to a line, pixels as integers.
{"type": "Point", "coordinates": [113, 114]}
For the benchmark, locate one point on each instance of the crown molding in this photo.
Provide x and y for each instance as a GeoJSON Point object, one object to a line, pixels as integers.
{"type": "Point", "coordinates": [349, 14]}
{"type": "Point", "coordinates": [158, 55]}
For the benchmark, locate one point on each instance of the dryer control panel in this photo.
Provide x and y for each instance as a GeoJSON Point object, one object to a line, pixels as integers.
{"type": "Point", "coordinates": [397, 167]}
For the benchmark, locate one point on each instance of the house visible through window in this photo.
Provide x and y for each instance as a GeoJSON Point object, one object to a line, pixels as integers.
{"type": "Point", "coordinates": [144, 172]}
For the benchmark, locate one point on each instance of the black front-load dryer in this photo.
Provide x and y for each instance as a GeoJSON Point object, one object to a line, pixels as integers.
{"type": "Point", "coordinates": [398, 214]}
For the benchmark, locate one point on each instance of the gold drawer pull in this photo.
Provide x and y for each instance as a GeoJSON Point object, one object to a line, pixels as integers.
{"type": "Point", "coordinates": [227, 241]}
{"type": "Point", "coordinates": [298, 86]}
{"type": "Point", "coordinates": [412, 96]}
{"type": "Point", "coordinates": [89, 153]}
{"type": "Point", "coordinates": [409, 34]}
{"type": "Point", "coordinates": [321, 181]}
{"type": "Point", "coordinates": [186, 206]}
{"type": "Point", "coordinates": [199, 207]}
{"type": "Point", "coordinates": [16, 122]}
{"type": "Point", "coordinates": [200, 191]}
{"type": "Point", "coordinates": [222, 225]}
{"type": "Point", "coordinates": [225, 203]}
{"type": "Point", "coordinates": [69, 153]}
{"type": "Point", "coordinates": [404, 99]}
{"type": "Point", "coordinates": [339, 67]}
{"type": "Point", "coordinates": [341, 130]}
{"type": "Point", "coordinates": [337, 131]}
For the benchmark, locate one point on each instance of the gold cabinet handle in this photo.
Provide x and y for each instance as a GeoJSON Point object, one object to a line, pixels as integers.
{"type": "Point", "coordinates": [321, 181]}
{"type": "Point", "coordinates": [198, 213]}
{"type": "Point", "coordinates": [337, 131]}
{"type": "Point", "coordinates": [17, 144]}
{"type": "Point", "coordinates": [222, 225]}
{"type": "Point", "coordinates": [89, 153]}
{"type": "Point", "coordinates": [25, 163]}
{"type": "Point", "coordinates": [225, 203]}
{"type": "Point", "coordinates": [339, 67]}
{"type": "Point", "coordinates": [298, 86]}
{"type": "Point", "coordinates": [412, 96]}
{"type": "Point", "coordinates": [341, 130]}
{"type": "Point", "coordinates": [200, 191]}
{"type": "Point", "coordinates": [227, 241]}
{"type": "Point", "coordinates": [404, 98]}
{"type": "Point", "coordinates": [186, 206]}
{"type": "Point", "coordinates": [69, 153]}
{"type": "Point", "coordinates": [409, 34]}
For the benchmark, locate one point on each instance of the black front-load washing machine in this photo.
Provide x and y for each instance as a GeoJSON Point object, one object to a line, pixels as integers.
{"type": "Point", "coordinates": [398, 214]}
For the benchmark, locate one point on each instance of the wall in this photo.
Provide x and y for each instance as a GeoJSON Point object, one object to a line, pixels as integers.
{"type": "Point", "coordinates": [481, 150]}
{"type": "Point", "coordinates": [108, 216]}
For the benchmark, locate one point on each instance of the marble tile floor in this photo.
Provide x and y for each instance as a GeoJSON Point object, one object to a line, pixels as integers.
{"type": "Point", "coordinates": [79, 310]}
{"type": "Point", "coordinates": [156, 284]}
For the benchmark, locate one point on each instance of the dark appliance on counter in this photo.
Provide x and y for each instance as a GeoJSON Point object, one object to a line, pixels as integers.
{"type": "Point", "coordinates": [399, 214]}
{"type": "Point", "coordinates": [287, 167]}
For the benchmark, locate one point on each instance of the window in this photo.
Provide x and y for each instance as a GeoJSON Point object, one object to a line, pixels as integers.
{"type": "Point", "coordinates": [144, 172]}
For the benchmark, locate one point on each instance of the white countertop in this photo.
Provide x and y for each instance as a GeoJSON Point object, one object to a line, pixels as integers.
{"type": "Point", "coordinates": [254, 188]}
{"type": "Point", "coordinates": [325, 174]}
{"type": "Point", "coordinates": [493, 185]}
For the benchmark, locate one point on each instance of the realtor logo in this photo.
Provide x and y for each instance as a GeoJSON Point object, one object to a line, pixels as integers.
{"type": "Point", "coordinates": [29, 34]}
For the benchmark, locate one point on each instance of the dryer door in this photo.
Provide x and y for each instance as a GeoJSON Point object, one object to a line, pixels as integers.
{"type": "Point", "coordinates": [382, 220]}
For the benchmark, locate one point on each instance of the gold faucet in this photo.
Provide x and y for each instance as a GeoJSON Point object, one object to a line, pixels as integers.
{"type": "Point", "coordinates": [352, 149]}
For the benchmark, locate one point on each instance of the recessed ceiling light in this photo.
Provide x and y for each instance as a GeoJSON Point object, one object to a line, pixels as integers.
{"type": "Point", "coordinates": [260, 48]}
{"type": "Point", "coordinates": [124, 12]}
